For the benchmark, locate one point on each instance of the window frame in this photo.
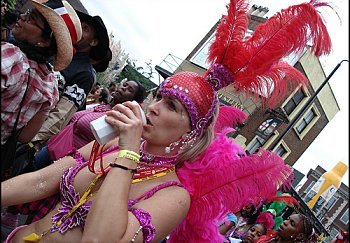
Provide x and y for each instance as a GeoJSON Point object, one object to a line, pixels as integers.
{"type": "Point", "coordinates": [346, 213]}
{"type": "Point", "coordinates": [298, 106]}
{"type": "Point", "coordinates": [265, 145]}
{"type": "Point", "coordinates": [309, 125]}
{"type": "Point", "coordinates": [285, 147]}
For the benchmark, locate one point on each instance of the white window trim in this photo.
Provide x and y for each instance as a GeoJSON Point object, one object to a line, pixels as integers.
{"type": "Point", "coordinates": [285, 146]}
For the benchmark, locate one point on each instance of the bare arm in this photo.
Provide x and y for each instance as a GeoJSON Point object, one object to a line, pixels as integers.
{"type": "Point", "coordinates": [38, 184]}
{"type": "Point", "coordinates": [224, 228]}
{"type": "Point", "coordinates": [167, 207]}
{"type": "Point", "coordinates": [32, 127]}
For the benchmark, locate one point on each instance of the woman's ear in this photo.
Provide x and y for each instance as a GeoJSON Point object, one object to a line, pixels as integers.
{"type": "Point", "coordinates": [45, 42]}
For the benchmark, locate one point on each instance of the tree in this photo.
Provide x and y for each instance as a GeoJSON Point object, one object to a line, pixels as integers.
{"type": "Point", "coordinates": [116, 65]}
{"type": "Point", "coordinates": [133, 72]}
{"type": "Point", "coordinates": [121, 67]}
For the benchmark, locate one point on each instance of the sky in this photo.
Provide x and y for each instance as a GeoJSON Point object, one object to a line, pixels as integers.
{"type": "Point", "coordinates": [152, 29]}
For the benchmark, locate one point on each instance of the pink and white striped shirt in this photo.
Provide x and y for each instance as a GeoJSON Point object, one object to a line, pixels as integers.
{"type": "Point", "coordinates": [42, 94]}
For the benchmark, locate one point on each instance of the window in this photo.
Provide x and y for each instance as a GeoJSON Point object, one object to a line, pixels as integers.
{"type": "Point", "coordinates": [345, 217]}
{"type": "Point", "coordinates": [281, 150]}
{"type": "Point", "coordinates": [294, 101]}
{"type": "Point", "coordinates": [305, 120]}
{"type": "Point", "coordinates": [256, 143]}
{"type": "Point", "coordinates": [309, 186]}
{"type": "Point", "coordinates": [334, 232]}
{"type": "Point", "coordinates": [330, 203]}
{"type": "Point", "coordinates": [309, 196]}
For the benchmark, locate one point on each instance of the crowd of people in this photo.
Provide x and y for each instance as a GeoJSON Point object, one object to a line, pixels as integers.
{"type": "Point", "coordinates": [171, 178]}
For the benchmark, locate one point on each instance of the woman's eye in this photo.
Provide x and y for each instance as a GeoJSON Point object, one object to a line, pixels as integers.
{"type": "Point", "coordinates": [172, 106]}
{"type": "Point", "coordinates": [158, 96]}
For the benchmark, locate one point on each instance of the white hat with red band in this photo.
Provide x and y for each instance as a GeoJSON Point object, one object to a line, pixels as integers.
{"type": "Point", "coordinates": [66, 28]}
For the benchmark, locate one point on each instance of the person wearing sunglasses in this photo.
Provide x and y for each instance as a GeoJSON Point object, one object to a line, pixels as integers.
{"type": "Point", "coordinates": [25, 61]}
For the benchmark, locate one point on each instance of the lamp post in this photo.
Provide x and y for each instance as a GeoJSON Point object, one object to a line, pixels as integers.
{"type": "Point", "coordinates": [304, 108]}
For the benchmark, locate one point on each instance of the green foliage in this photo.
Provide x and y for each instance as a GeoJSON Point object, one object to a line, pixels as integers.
{"type": "Point", "coordinates": [132, 72]}
{"type": "Point", "coordinates": [11, 4]}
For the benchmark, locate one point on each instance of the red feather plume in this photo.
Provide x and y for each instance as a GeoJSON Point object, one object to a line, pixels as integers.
{"type": "Point", "coordinates": [289, 200]}
{"type": "Point", "coordinates": [230, 32]}
{"type": "Point", "coordinates": [256, 61]}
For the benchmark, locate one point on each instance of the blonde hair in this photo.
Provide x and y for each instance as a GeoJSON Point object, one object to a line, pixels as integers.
{"type": "Point", "coordinates": [202, 142]}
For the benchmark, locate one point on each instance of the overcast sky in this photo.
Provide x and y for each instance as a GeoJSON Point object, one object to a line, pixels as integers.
{"type": "Point", "coordinates": [152, 29]}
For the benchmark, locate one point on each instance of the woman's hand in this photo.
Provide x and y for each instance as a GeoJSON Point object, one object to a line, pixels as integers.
{"type": "Point", "coordinates": [127, 118]}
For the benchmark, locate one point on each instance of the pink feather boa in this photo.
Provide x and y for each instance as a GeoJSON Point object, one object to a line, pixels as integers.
{"type": "Point", "coordinates": [222, 180]}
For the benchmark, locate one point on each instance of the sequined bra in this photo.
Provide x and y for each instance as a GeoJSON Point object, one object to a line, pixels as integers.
{"type": "Point", "coordinates": [69, 198]}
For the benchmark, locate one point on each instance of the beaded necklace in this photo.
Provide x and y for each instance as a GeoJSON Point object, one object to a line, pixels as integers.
{"type": "Point", "coordinates": [153, 160]}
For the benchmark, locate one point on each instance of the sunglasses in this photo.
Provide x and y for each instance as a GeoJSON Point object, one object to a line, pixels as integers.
{"type": "Point", "coordinates": [32, 17]}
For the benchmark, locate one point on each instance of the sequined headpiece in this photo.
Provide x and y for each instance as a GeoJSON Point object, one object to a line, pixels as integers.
{"type": "Point", "coordinates": [197, 93]}
{"type": "Point", "coordinates": [252, 64]}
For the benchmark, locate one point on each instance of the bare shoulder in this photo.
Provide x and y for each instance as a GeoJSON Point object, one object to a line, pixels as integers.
{"type": "Point", "coordinates": [167, 207]}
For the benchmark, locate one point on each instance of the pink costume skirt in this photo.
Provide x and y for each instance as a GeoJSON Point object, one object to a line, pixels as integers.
{"type": "Point", "coordinates": [10, 236]}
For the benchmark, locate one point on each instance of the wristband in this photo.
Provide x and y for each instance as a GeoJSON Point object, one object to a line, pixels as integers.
{"type": "Point", "coordinates": [114, 165]}
{"type": "Point", "coordinates": [129, 155]}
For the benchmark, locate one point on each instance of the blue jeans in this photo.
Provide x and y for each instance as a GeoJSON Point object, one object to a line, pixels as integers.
{"type": "Point", "coordinates": [42, 158]}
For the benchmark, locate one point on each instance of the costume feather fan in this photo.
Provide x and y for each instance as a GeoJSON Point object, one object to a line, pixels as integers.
{"type": "Point", "coordinates": [229, 116]}
{"type": "Point", "coordinates": [221, 182]}
{"type": "Point", "coordinates": [255, 61]}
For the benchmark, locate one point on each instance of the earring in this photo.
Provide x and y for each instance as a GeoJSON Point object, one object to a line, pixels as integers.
{"type": "Point", "coordinates": [172, 146]}
{"type": "Point", "coordinates": [189, 140]}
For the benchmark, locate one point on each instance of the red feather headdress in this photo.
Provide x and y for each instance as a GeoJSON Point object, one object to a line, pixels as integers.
{"type": "Point", "coordinates": [255, 62]}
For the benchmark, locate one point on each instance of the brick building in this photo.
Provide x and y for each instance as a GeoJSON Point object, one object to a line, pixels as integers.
{"type": "Point", "coordinates": [335, 214]}
{"type": "Point", "coordinates": [308, 125]}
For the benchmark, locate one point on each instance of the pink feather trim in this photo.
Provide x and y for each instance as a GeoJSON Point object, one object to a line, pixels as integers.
{"type": "Point", "coordinates": [229, 116]}
{"type": "Point", "coordinates": [222, 180]}
{"type": "Point", "coordinates": [266, 219]}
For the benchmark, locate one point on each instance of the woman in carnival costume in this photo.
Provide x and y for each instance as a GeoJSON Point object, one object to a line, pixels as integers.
{"type": "Point", "coordinates": [181, 178]}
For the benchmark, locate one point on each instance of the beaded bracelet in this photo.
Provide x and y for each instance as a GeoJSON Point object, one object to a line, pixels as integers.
{"type": "Point", "coordinates": [115, 165]}
{"type": "Point", "coordinates": [129, 155]}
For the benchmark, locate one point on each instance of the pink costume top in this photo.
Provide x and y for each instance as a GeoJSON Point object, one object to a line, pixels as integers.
{"type": "Point", "coordinates": [82, 132]}
{"type": "Point", "coordinates": [69, 198]}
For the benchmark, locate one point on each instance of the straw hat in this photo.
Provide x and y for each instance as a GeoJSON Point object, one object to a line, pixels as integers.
{"type": "Point", "coordinates": [66, 28]}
